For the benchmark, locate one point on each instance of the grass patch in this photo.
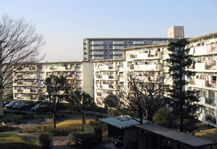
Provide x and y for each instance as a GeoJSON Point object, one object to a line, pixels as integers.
{"type": "Point", "coordinates": [9, 141]}
{"type": "Point", "coordinates": [210, 134]}
{"type": "Point", "coordinates": [10, 116]}
{"type": "Point", "coordinates": [70, 123]}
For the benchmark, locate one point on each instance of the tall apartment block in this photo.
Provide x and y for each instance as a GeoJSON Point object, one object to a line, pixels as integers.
{"type": "Point", "coordinates": [28, 79]}
{"type": "Point", "coordinates": [176, 32]}
{"type": "Point", "coordinates": [110, 48]}
{"type": "Point", "coordinates": [151, 61]}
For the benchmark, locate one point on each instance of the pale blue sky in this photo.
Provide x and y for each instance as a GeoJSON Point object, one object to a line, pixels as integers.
{"type": "Point", "coordinates": [65, 23]}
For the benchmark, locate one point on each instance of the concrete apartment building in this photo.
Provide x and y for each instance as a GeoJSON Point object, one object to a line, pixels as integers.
{"type": "Point", "coordinates": [141, 62]}
{"type": "Point", "coordinates": [110, 48]}
{"type": "Point", "coordinates": [28, 79]}
{"type": "Point", "coordinates": [151, 61]}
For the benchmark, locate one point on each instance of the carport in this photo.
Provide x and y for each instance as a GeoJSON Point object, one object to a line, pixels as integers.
{"type": "Point", "coordinates": [158, 137]}
{"type": "Point", "coordinates": [122, 125]}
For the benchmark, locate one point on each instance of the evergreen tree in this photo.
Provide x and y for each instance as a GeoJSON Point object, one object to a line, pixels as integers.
{"type": "Point", "coordinates": [183, 103]}
{"type": "Point", "coordinates": [57, 89]}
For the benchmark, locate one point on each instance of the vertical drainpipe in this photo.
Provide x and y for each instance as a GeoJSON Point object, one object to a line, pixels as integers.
{"type": "Point", "coordinates": [124, 139]}
{"type": "Point", "coordinates": [1, 92]}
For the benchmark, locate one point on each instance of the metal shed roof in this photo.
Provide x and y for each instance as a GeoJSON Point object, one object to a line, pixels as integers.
{"type": "Point", "coordinates": [122, 121]}
{"type": "Point", "coordinates": [176, 135]}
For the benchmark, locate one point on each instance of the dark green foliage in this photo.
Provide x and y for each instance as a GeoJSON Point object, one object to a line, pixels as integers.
{"type": "Point", "coordinates": [5, 128]}
{"type": "Point", "coordinates": [45, 141]}
{"type": "Point", "coordinates": [111, 100]}
{"type": "Point", "coordinates": [164, 117]}
{"type": "Point", "coordinates": [18, 146]}
{"type": "Point", "coordinates": [184, 103]}
{"type": "Point", "coordinates": [53, 131]}
{"type": "Point", "coordinates": [89, 140]}
{"type": "Point", "coordinates": [80, 101]}
{"type": "Point", "coordinates": [58, 90]}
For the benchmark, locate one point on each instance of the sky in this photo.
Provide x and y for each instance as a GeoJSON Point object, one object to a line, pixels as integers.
{"type": "Point", "coordinates": [65, 23]}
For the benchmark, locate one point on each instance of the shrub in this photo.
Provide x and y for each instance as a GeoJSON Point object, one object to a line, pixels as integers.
{"type": "Point", "coordinates": [88, 139]}
{"type": "Point", "coordinates": [52, 131]}
{"type": "Point", "coordinates": [164, 117]}
{"type": "Point", "coordinates": [5, 128]}
{"type": "Point", "coordinates": [45, 141]}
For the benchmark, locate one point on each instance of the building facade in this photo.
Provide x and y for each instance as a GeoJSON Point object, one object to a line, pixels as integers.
{"type": "Point", "coordinates": [28, 79]}
{"type": "Point", "coordinates": [151, 61]}
{"type": "Point", "coordinates": [204, 53]}
{"type": "Point", "coordinates": [110, 48]}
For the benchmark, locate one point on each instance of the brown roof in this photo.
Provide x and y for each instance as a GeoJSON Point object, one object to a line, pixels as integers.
{"type": "Point", "coordinates": [176, 135]}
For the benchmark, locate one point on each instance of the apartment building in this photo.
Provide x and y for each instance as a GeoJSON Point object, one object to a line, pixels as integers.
{"type": "Point", "coordinates": [28, 79]}
{"type": "Point", "coordinates": [110, 48]}
{"type": "Point", "coordinates": [139, 62]}
{"type": "Point", "coordinates": [204, 53]}
{"type": "Point", "coordinates": [151, 61]}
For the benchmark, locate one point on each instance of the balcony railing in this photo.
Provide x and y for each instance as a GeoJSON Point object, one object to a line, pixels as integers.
{"type": "Point", "coordinates": [210, 118]}
{"type": "Point", "coordinates": [210, 101]}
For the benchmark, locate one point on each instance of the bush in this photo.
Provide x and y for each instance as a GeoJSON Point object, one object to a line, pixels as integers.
{"type": "Point", "coordinates": [5, 128]}
{"type": "Point", "coordinates": [164, 117]}
{"type": "Point", "coordinates": [89, 140]}
{"type": "Point", "coordinates": [52, 131]}
{"type": "Point", "coordinates": [45, 141]}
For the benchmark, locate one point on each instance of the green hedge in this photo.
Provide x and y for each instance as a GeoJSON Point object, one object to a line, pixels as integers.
{"type": "Point", "coordinates": [89, 140]}
{"type": "Point", "coordinates": [52, 131]}
{"type": "Point", "coordinates": [5, 128]}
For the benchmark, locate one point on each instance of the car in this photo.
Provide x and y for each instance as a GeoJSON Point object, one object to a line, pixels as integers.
{"type": "Point", "coordinates": [5, 102]}
{"type": "Point", "coordinates": [16, 105]}
{"type": "Point", "coordinates": [26, 105]}
{"type": "Point", "coordinates": [11, 104]}
{"type": "Point", "coordinates": [40, 108]}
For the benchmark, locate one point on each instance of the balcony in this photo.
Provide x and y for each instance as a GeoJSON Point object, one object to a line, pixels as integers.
{"type": "Point", "coordinates": [200, 50]}
{"type": "Point", "coordinates": [147, 67]}
{"type": "Point", "coordinates": [106, 67]}
{"type": "Point", "coordinates": [116, 57]}
{"type": "Point", "coordinates": [99, 76]}
{"type": "Point", "coordinates": [108, 77]}
{"type": "Point", "coordinates": [97, 52]}
{"type": "Point", "coordinates": [151, 55]}
{"type": "Point", "coordinates": [98, 94]}
{"type": "Point", "coordinates": [97, 47]}
{"type": "Point", "coordinates": [97, 58]}
{"type": "Point", "coordinates": [118, 42]}
{"type": "Point", "coordinates": [97, 42]}
{"type": "Point", "coordinates": [210, 118]}
{"type": "Point", "coordinates": [105, 86]}
{"type": "Point", "coordinates": [138, 42]}
{"type": "Point", "coordinates": [117, 52]}
{"type": "Point", "coordinates": [210, 101]}
{"type": "Point", "coordinates": [118, 47]}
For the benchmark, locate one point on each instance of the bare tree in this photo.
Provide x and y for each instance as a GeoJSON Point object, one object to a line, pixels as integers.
{"type": "Point", "coordinates": [143, 95]}
{"type": "Point", "coordinates": [20, 44]}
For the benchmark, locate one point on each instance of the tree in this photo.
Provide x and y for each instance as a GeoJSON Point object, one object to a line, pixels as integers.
{"type": "Point", "coordinates": [182, 102]}
{"type": "Point", "coordinates": [80, 101]}
{"type": "Point", "coordinates": [164, 117]}
{"type": "Point", "coordinates": [142, 97]}
{"type": "Point", "coordinates": [20, 44]}
{"type": "Point", "coordinates": [58, 90]}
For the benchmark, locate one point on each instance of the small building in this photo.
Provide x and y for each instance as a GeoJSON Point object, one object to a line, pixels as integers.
{"type": "Point", "coordinates": [123, 126]}
{"type": "Point", "coordinates": [151, 136]}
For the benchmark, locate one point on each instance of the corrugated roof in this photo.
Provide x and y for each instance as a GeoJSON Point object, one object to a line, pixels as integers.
{"type": "Point", "coordinates": [176, 135]}
{"type": "Point", "coordinates": [122, 121]}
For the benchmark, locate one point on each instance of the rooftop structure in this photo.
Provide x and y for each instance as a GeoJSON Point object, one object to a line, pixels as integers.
{"type": "Point", "coordinates": [176, 32]}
